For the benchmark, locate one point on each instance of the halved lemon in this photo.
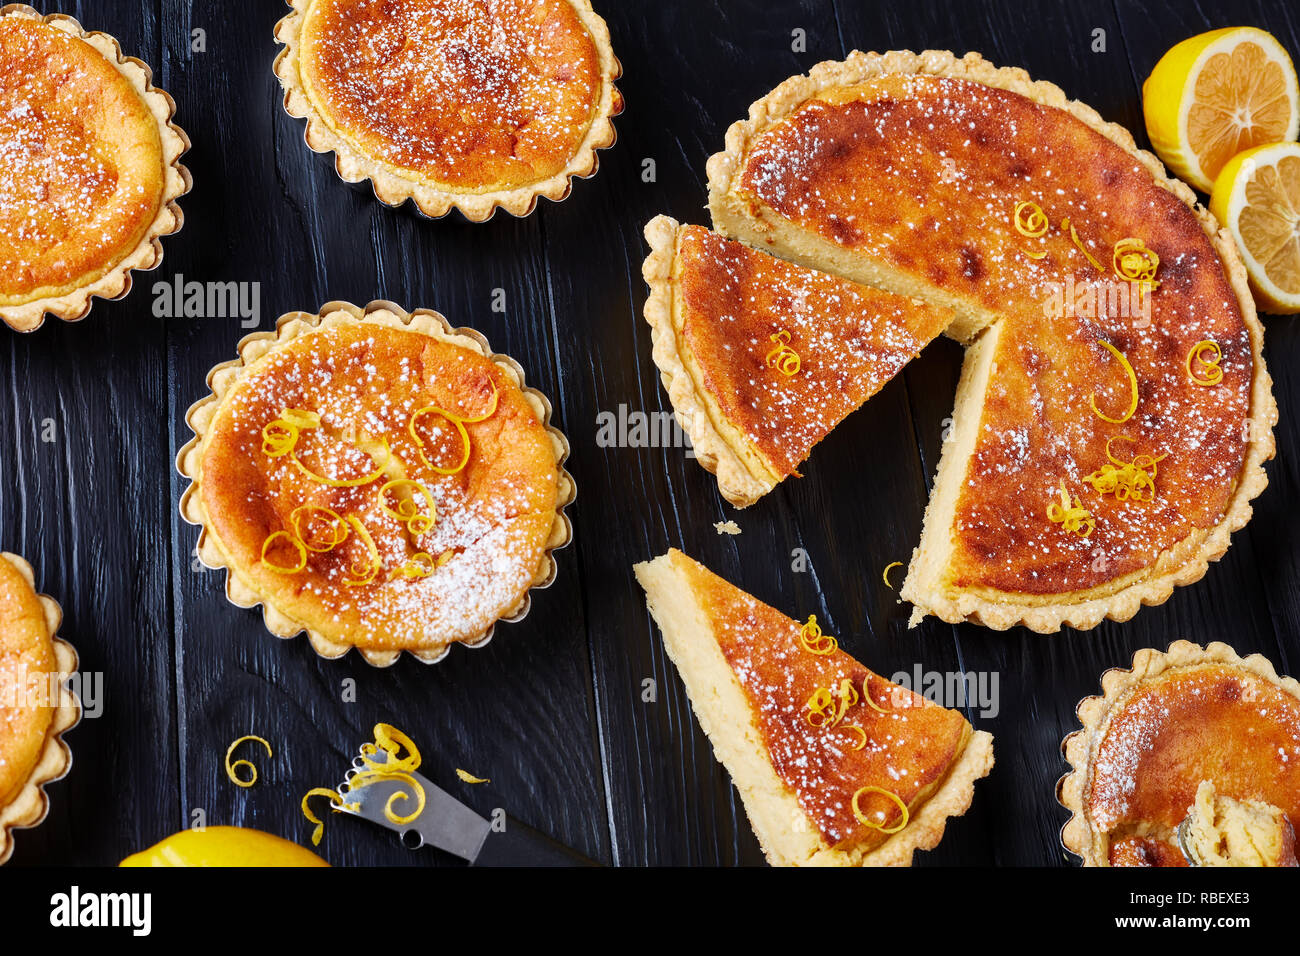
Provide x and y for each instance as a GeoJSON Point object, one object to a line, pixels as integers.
{"type": "Point", "coordinates": [1214, 95]}
{"type": "Point", "coordinates": [1257, 198]}
{"type": "Point", "coordinates": [224, 846]}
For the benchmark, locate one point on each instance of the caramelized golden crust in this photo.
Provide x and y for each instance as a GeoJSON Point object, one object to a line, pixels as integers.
{"type": "Point", "coordinates": [26, 658]}
{"type": "Point", "coordinates": [87, 167]}
{"type": "Point", "coordinates": [1175, 720]}
{"type": "Point", "coordinates": [378, 386]}
{"type": "Point", "coordinates": [750, 682]}
{"type": "Point", "coordinates": [733, 312]}
{"type": "Point", "coordinates": [906, 170]}
{"type": "Point", "coordinates": [448, 100]}
{"type": "Point", "coordinates": [36, 706]}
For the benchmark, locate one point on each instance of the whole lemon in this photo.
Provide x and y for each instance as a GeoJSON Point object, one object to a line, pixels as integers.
{"type": "Point", "coordinates": [224, 846]}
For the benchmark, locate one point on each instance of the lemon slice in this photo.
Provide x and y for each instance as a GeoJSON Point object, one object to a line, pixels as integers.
{"type": "Point", "coordinates": [1214, 95]}
{"type": "Point", "coordinates": [1257, 198]}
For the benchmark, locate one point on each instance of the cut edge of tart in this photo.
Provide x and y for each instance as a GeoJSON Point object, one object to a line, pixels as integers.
{"type": "Point", "coordinates": [115, 281]}
{"type": "Point", "coordinates": [30, 803]}
{"type": "Point", "coordinates": [223, 378]}
{"type": "Point", "coordinates": [924, 587]}
{"type": "Point", "coordinates": [743, 477]}
{"type": "Point", "coordinates": [724, 710]}
{"type": "Point", "coordinates": [393, 187]}
{"type": "Point", "coordinates": [729, 323]}
{"type": "Point", "coordinates": [1078, 835]}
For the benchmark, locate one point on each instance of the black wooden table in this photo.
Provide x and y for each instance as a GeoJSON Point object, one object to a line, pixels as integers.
{"type": "Point", "coordinates": [553, 710]}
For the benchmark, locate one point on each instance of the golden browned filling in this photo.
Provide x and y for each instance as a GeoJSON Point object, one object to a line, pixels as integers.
{"type": "Point", "coordinates": [81, 164]}
{"type": "Point", "coordinates": [788, 352]}
{"type": "Point", "coordinates": [383, 487]}
{"type": "Point", "coordinates": [1115, 418]}
{"type": "Point", "coordinates": [859, 752]}
{"type": "Point", "coordinates": [26, 663]}
{"type": "Point", "coordinates": [462, 93]}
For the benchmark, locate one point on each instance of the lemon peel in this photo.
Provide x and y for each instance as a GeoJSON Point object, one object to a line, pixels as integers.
{"type": "Point", "coordinates": [407, 511]}
{"type": "Point", "coordinates": [1213, 373]}
{"type": "Point", "coordinates": [363, 575]}
{"type": "Point", "coordinates": [874, 825]}
{"type": "Point", "coordinates": [826, 708]}
{"type": "Point", "coordinates": [1072, 517]}
{"type": "Point", "coordinates": [885, 574]}
{"type": "Point", "coordinates": [1030, 220]}
{"type": "Point", "coordinates": [232, 768]}
{"type": "Point", "coordinates": [1133, 388]}
{"type": "Point", "coordinates": [468, 777]}
{"type": "Point", "coordinates": [1067, 226]}
{"type": "Point", "coordinates": [783, 358]}
{"type": "Point", "coordinates": [458, 422]}
{"type": "Point", "coordinates": [298, 546]}
{"type": "Point", "coordinates": [1128, 481]}
{"type": "Point", "coordinates": [812, 640]}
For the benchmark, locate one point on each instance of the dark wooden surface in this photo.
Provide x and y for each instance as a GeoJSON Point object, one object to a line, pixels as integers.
{"type": "Point", "coordinates": [552, 709]}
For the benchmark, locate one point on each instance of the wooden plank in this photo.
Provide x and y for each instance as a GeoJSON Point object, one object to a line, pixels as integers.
{"type": "Point", "coordinates": [84, 446]}
{"type": "Point", "coordinates": [266, 210]}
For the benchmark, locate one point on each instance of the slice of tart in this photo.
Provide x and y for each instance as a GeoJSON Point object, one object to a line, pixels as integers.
{"type": "Point", "coordinates": [836, 765]}
{"type": "Point", "coordinates": [1158, 733]}
{"type": "Point", "coordinates": [89, 168]}
{"type": "Point", "coordinates": [1114, 410]}
{"type": "Point", "coordinates": [763, 358]}
{"type": "Point", "coordinates": [377, 479]}
{"type": "Point", "coordinates": [453, 104]}
{"type": "Point", "coordinates": [36, 705]}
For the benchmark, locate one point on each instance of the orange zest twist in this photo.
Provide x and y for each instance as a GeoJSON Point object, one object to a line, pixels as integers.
{"type": "Point", "coordinates": [1074, 237]}
{"type": "Point", "coordinates": [407, 511]}
{"type": "Point", "coordinates": [280, 439]}
{"type": "Point", "coordinates": [233, 767]}
{"type": "Point", "coordinates": [1072, 517]}
{"type": "Point", "coordinates": [860, 741]}
{"type": "Point", "coordinates": [783, 358]}
{"type": "Point", "coordinates": [866, 696]}
{"type": "Point", "coordinates": [337, 804]}
{"type": "Point", "coordinates": [458, 422]}
{"type": "Point", "coordinates": [270, 543]}
{"type": "Point", "coordinates": [812, 640]}
{"type": "Point", "coordinates": [338, 528]}
{"type": "Point", "coordinates": [1132, 260]}
{"type": "Point", "coordinates": [826, 708]}
{"type": "Point", "coordinates": [1030, 220]}
{"type": "Point", "coordinates": [1128, 481]}
{"type": "Point", "coordinates": [1132, 384]}
{"type": "Point", "coordinates": [363, 574]}
{"type": "Point", "coordinates": [395, 768]}
{"type": "Point", "coordinates": [1213, 372]}
{"type": "Point", "coordinates": [419, 565]}
{"type": "Point", "coordinates": [880, 824]}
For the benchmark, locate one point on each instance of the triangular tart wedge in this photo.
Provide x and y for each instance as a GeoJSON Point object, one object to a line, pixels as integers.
{"type": "Point", "coordinates": [763, 358]}
{"type": "Point", "coordinates": [1162, 730]}
{"type": "Point", "coordinates": [1114, 411]}
{"type": "Point", "coordinates": [836, 765]}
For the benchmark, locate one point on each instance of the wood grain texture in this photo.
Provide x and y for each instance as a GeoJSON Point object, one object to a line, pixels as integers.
{"type": "Point", "coordinates": [553, 710]}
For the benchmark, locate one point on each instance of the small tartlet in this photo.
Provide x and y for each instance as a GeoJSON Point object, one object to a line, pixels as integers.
{"type": "Point", "coordinates": [347, 115]}
{"type": "Point", "coordinates": [497, 539]}
{"type": "Point", "coordinates": [1126, 802]}
{"type": "Point", "coordinates": [25, 613]}
{"type": "Point", "coordinates": [126, 109]}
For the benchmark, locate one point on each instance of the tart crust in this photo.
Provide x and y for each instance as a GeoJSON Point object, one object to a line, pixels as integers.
{"type": "Point", "coordinates": [1118, 599]}
{"type": "Point", "coordinates": [393, 186]}
{"type": "Point", "coordinates": [243, 592]}
{"type": "Point", "coordinates": [30, 805]}
{"type": "Point", "coordinates": [1078, 835]}
{"type": "Point", "coordinates": [727, 717]}
{"type": "Point", "coordinates": [115, 282]}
